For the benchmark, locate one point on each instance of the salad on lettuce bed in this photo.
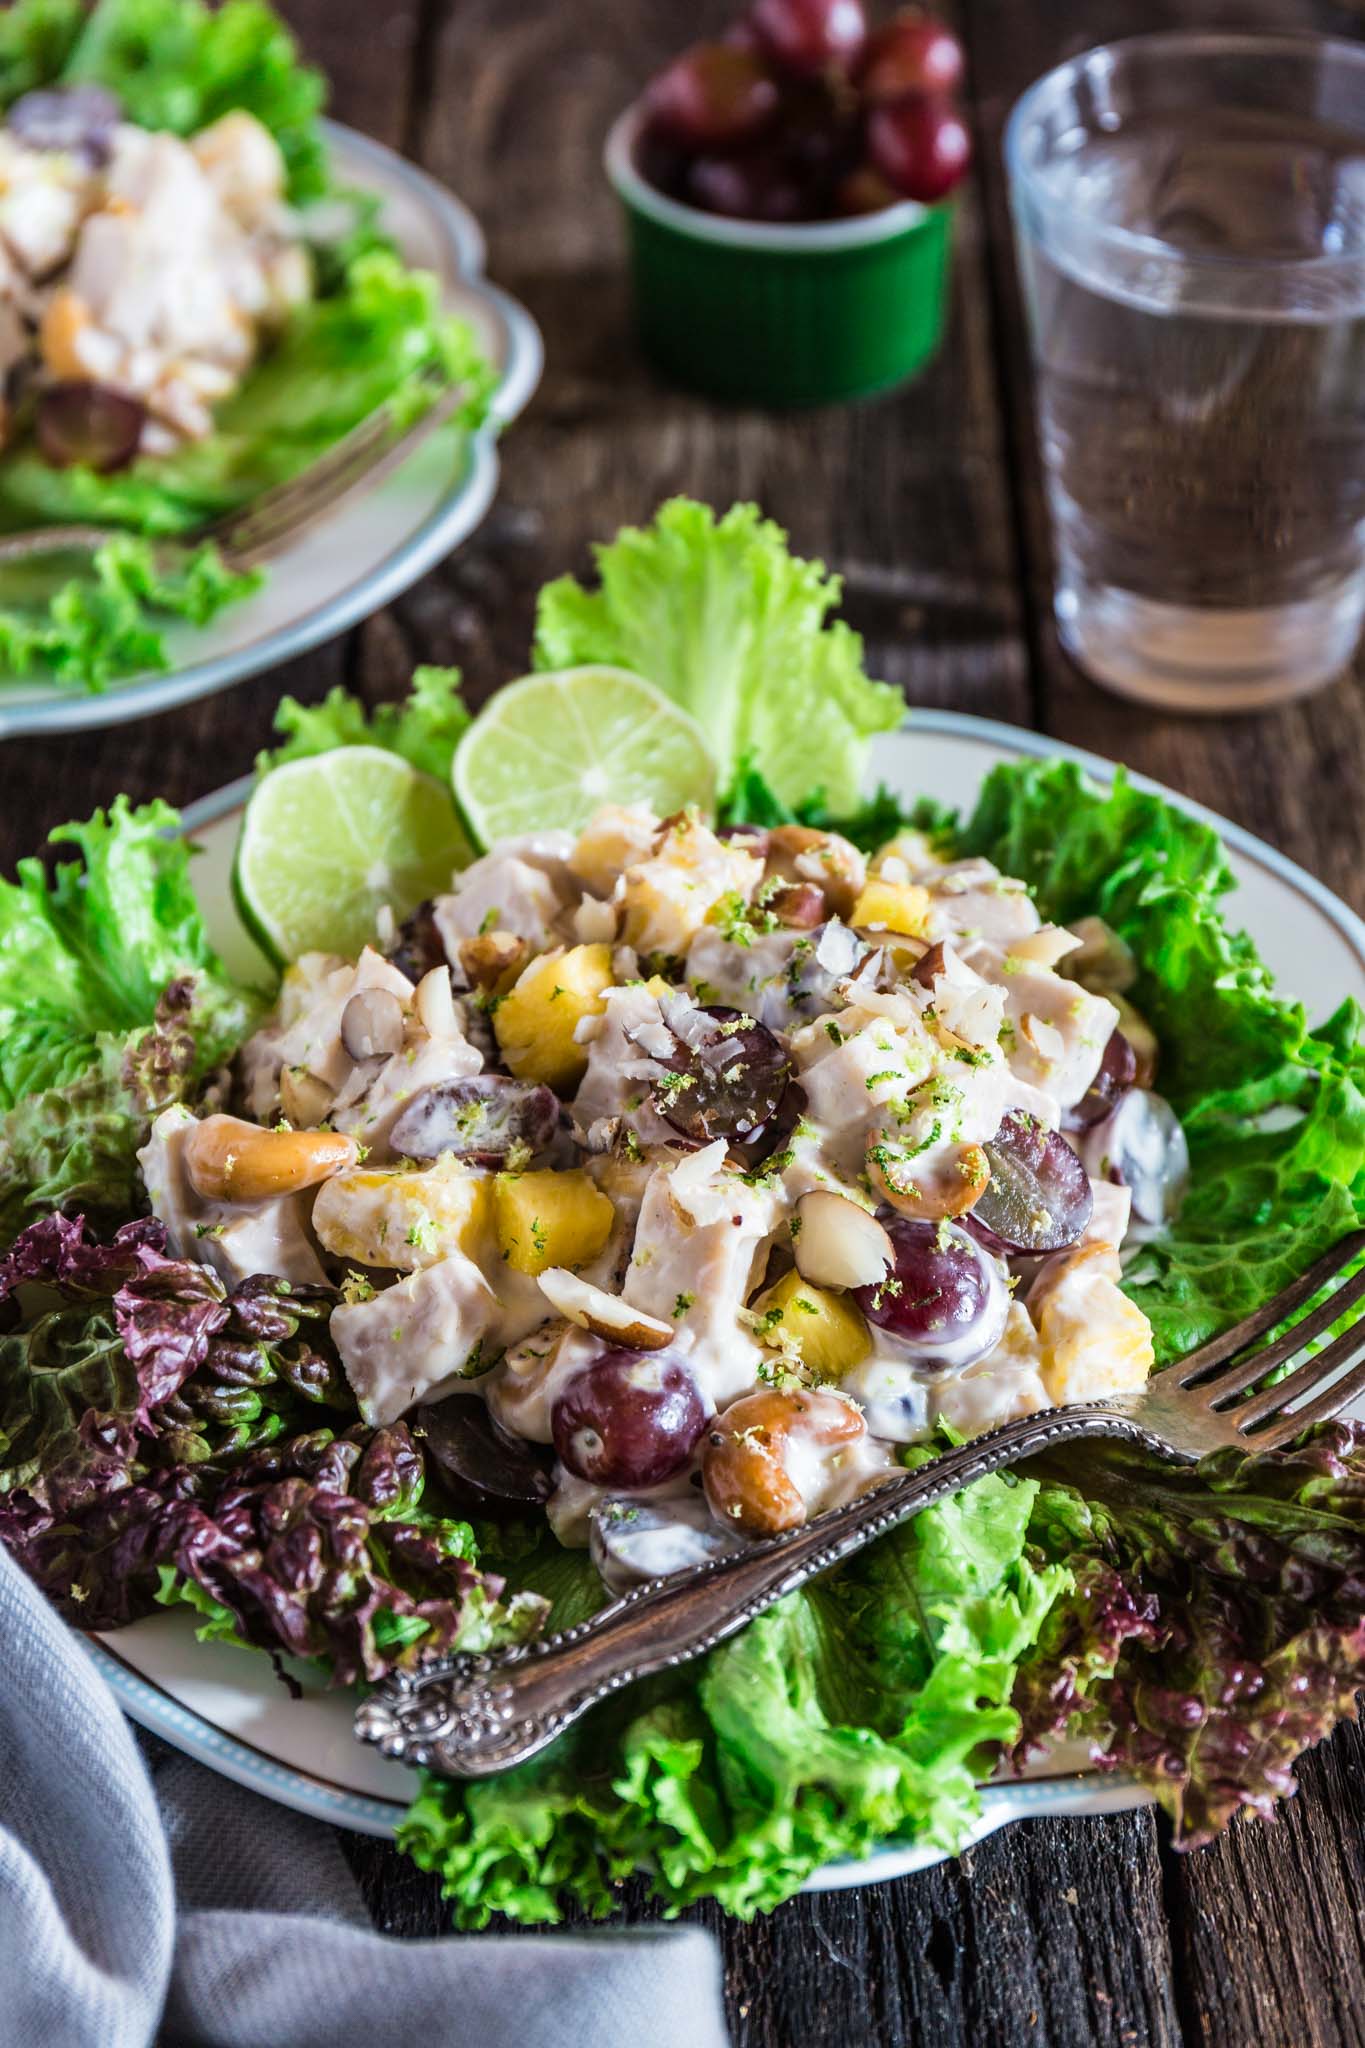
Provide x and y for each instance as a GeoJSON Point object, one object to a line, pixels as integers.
{"type": "Point", "coordinates": [190, 311]}
{"type": "Point", "coordinates": [183, 1422]}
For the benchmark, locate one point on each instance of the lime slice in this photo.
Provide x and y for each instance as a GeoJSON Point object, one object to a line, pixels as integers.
{"type": "Point", "coordinates": [329, 839]}
{"type": "Point", "coordinates": [551, 749]}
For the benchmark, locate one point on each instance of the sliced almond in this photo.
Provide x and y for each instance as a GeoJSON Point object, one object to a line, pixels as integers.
{"type": "Point", "coordinates": [1045, 947]}
{"type": "Point", "coordinates": [837, 1244]}
{"type": "Point", "coordinates": [304, 1099]}
{"type": "Point", "coordinates": [436, 1005]}
{"type": "Point", "coordinates": [605, 1315]}
{"type": "Point", "coordinates": [1045, 1038]}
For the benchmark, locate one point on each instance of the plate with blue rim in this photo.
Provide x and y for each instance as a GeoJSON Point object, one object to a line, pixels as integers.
{"type": "Point", "coordinates": [380, 541]}
{"type": "Point", "coordinates": [226, 1707]}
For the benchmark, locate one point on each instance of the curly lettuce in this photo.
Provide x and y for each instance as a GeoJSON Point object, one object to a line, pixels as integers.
{"type": "Point", "coordinates": [112, 1006]}
{"type": "Point", "coordinates": [723, 618]}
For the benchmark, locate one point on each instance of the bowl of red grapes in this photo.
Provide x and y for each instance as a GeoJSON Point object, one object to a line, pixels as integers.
{"type": "Point", "coordinates": [786, 188]}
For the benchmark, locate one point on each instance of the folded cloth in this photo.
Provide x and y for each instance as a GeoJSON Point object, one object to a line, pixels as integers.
{"type": "Point", "coordinates": [179, 1908]}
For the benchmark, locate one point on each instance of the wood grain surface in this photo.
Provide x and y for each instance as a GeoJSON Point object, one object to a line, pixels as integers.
{"type": "Point", "coordinates": [1055, 1932]}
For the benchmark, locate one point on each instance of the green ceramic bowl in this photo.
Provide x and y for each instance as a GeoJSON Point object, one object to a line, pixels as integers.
{"type": "Point", "coordinates": [806, 314]}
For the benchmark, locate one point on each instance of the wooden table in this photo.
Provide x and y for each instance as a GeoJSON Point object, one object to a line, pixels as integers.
{"type": "Point", "coordinates": [1064, 1932]}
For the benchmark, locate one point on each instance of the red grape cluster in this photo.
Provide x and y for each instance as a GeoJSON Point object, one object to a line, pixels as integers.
{"type": "Point", "coordinates": [803, 113]}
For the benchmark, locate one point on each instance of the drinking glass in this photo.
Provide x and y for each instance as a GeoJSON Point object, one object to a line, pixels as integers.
{"type": "Point", "coordinates": [1189, 214]}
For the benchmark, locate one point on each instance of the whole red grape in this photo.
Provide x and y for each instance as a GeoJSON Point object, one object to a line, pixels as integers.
{"type": "Point", "coordinates": [755, 186]}
{"type": "Point", "coordinates": [712, 97]}
{"type": "Point", "coordinates": [630, 1419]}
{"type": "Point", "coordinates": [911, 55]}
{"type": "Point", "coordinates": [919, 146]}
{"type": "Point", "coordinates": [808, 36]}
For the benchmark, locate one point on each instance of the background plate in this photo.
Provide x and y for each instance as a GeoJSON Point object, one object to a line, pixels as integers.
{"type": "Point", "coordinates": [382, 541]}
{"type": "Point", "coordinates": [226, 1707]}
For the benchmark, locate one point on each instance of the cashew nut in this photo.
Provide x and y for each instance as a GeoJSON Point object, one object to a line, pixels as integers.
{"type": "Point", "coordinates": [231, 1161]}
{"type": "Point", "coordinates": [953, 1185]}
{"type": "Point", "coordinates": [304, 1098]}
{"type": "Point", "coordinates": [744, 1458]}
{"type": "Point", "coordinates": [494, 959]}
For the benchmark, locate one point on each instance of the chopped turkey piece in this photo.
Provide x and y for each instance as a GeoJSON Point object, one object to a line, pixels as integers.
{"type": "Point", "coordinates": [1006, 1382]}
{"type": "Point", "coordinates": [523, 887]}
{"type": "Point", "coordinates": [971, 899]}
{"type": "Point", "coordinates": [629, 1043]}
{"type": "Point", "coordinates": [237, 1238]}
{"type": "Point", "coordinates": [1056, 1031]}
{"type": "Point", "coordinates": [417, 1340]}
{"type": "Point", "coordinates": [699, 1246]}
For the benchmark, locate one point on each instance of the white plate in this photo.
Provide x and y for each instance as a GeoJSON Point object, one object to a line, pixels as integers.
{"type": "Point", "coordinates": [383, 540]}
{"type": "Point", "coordinates": [226, 1707]}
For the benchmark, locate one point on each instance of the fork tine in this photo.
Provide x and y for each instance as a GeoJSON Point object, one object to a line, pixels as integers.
{"type": "Point", "coordinates": [1273, 1401]}
{"type": "Point", "coordinates": [366, 454]}
{"type": "Point", "coordinates": [1327, 1404]}
{"type": "Point", "coordinates": [1247, 1370]}
{"type": "Point", "coordinates": [278, 506]}
{"type": "Point", "coordinates": [1220, 1350]}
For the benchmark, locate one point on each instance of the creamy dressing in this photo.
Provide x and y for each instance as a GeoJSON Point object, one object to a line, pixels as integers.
{"type": "Point", "coordinates": [896, 1077]}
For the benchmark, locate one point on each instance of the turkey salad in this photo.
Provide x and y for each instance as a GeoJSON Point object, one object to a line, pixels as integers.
{"type": "Point", "coordinates": [720, 1166]}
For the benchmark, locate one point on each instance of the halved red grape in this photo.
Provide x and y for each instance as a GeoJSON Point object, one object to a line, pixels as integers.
{"type": "Point", "coordinates": [920, 146]}
{"type": "Point", "coordinates": [727, 1077]}
{"type": "Point", "coordinates": [78, 118]}
{"type": "Point", "coordinates": [1141, 1146]}
{"type": "Point", "coordinates": [808, 36]}
{"type": "Point", "coordinates": [910, 54]}
{"type": "Point", "coordinates": [945, 1299]}
{"type": "Point", "coordinates": [481, 1118]}
{"type": "Point", "coordinates": [481, 1465]}
{"type": "Point", "coordinates": [89, 424]}
{"type": "Point", "coordinates": [713, 96]}
{"type": "Point", "coordinates": [419, 946]}
{"type": "Point", "coordinates": [1038, 1197]}
{"type": "Point", "coordinates": [630, 1419]}
{"type": "Point", "coordinates": [1116, 1075]}
{"type": "Point", "coordinates": [631, 1541]}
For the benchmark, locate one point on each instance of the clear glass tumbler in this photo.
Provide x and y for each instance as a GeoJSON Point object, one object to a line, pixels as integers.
{"type": "Point", "coordinates": [1190, 219]}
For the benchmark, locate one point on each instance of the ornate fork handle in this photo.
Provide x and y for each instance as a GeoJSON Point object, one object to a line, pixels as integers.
{"type": "Point", "coordinates": [469, 1716]}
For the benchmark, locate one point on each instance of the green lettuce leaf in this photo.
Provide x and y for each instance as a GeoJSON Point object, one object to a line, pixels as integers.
{"type": "Point", "coordinates": [1275, 1113]}
{"type": "Point", "coordinates": [425, 727]}
{"type": "Point", "coordinates": [850, 1713]}
{"type": "Point", "coordinates": [722, 617]}
{"type": "Point", "coordinates": [112, 1004]}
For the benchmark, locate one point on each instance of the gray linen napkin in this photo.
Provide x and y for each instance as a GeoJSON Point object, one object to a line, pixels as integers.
{"type": "Point", "coordinates": [183, 1909]}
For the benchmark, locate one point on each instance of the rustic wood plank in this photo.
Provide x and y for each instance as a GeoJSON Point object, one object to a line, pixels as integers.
{"type": "Point", "coordinates": [905, 496]}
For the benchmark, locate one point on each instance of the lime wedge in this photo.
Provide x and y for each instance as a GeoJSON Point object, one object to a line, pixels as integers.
{"type": "Point", "coordinates": [551, 749]}
{"type": "Point", "coordinates": [327, 840]}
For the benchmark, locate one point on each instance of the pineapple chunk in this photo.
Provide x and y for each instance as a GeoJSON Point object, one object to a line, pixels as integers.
{"type": "Point", "coordinates": [536, 1020]}
{"type": "Point", "coordinates": [550, 1219]}
{"type": "Point", "coordinates": [1095, 1341]}
{"type": "Point", "coordinates": [668, 898]}
{"type": "Point", "coordinates": [824, 1329]}
{"type": "Point", "coordinates": [892, 906]}
{"type": "Point", "coordinates": [404, 1219]}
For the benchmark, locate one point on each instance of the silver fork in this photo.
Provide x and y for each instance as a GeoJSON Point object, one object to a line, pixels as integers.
{"type": "Point", "coordinates": [470, 1716]}
{"type": "Point", "coordinates": [256, 531]}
